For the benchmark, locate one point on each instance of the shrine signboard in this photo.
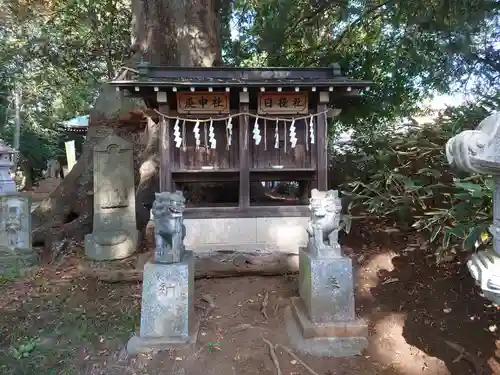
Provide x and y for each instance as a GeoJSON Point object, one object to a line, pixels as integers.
{"type": "Point", "coordinates": [276, 103]}
{"type": "Point", "coordinates": [202, 102]}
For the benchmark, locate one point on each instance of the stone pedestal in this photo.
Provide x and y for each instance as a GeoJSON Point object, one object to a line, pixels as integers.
{"type": "Point", "coordinates": [111, 245]}
{"type": "Point", "coordinates": [115, 235]}
{"type": "Point", "coordinates": [167, 312]}
{"type": "Point", "coordinates": [484, 266]}
{"type": "Point", "coordinates": [321, 322]}
{"type": "Point", "coordinates": [16, 253]}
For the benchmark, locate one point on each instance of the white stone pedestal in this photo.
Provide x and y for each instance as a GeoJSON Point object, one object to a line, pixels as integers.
{"type": "Point", "coordinates": [167, 312]}
{"type": "Point", "coordinates": [322, 321]}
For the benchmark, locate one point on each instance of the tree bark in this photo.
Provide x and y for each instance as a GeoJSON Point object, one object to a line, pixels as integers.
{"type": "Point", "coordinates": [165, 32]}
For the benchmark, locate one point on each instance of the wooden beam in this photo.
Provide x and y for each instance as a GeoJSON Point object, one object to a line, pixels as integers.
{"type": "Point", "coordinates": [282, 175]}
{"type": "Point", "coordinates": [321, 149]}
{"type": "Point", "coordinates": [244, 152]}
{"type": "Point", "coordinates": [183, 177]}
{"type": "Point", "coordinates": [165, 151]}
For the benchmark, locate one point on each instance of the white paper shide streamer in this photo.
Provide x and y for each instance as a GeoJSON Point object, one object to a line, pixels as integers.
{"type": "Point", "coordinates": [276, 136]}
{"type": "Point", "coordinates": [289, 130]}
{"type": "Point", "coordinates": [196, 131]}
{"type": "Point", "coordinates": [311, 130]}
{"type": "Point", "coordinates": [256, 132]}
{"type": "Point", "coordinates": [177, 134]}
{"type": "Point", "coordinates": [229, 128]}
{"type": "Point", "coordinates": [293, 138]}
{"type": "Point", "coordinates": [211, 136]}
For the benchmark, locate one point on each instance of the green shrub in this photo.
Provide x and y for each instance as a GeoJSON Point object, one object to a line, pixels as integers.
{"type": "Point", "coordinates": [406, 178]}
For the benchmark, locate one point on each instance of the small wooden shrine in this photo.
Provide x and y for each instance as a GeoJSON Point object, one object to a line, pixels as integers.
{"type": "Point", "coordinates": [76, 126]}
{"type": "Point", "coordinates": [244, 127]}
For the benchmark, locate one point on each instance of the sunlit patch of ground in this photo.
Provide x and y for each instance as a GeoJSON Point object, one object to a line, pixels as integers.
{"type": "Point", "coordinates": [388, 346]}
{"type": "Point", "coordinates": [368, 274]}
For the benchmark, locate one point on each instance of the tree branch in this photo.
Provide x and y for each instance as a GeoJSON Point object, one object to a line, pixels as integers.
{"type": "Point", "coordinates": [361, 19]}
{"type": "Point", "coordinates": [311, 16]}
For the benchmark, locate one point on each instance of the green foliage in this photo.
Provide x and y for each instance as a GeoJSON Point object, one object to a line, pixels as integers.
{"type": "Point", "coordinates": [408, 48]}
{"type": "Point", "coordinates": [405, 177]}
{"type": "Point", "coordinates": [56, 54]}
{"type": "Point", "coordinates": [213, 345]}
{"type": "Point", "coordinates": [24, 350]}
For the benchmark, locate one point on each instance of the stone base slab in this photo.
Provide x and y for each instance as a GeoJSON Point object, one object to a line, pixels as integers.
{"type": "Point", "coordinates": [309, 329]}
{"type": "Point", "coordinates": [484, 266]}
{"type": "Point", "coordinates": [138, 344]}
{"type": "Point", "coordinates": [122, 250]}
{"type": "Point", "coordinates": [334, 339]}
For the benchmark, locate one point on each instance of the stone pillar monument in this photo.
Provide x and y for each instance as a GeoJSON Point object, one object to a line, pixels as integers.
{"type": "Point", "coordinates": [322, 322]}
{"type": "Point", "coordinates": [167, 312]}
{"type": "Point", "coordinates": [478, 151]}
{"type": "Point", "coordinates": [16, 253]}
{"type": "Point", "coordinates": [115, 233]}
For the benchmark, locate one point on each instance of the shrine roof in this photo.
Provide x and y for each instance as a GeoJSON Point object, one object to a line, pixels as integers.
{"type": "Point", "coordinates": [164, 76]}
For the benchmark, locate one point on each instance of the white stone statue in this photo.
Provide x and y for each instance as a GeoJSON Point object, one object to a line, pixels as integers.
{"type": "Point", "coordinates": [13, 226]}
{"type": "Point", "coordinates": [53, 169]}
{"type": "Point", "coordinates": [324, 224]}
{"type": "Point", "coordinates": [478, 151]}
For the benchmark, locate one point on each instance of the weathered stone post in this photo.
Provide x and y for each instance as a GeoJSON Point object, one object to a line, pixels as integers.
{"type": "Point", "coordinates": [478, 151]}
{"type": "Point", "coordinates": [322, 322]}
{"type": "Point", "coordinates": [115, 233]}
{"type": "Point", "coordinates": [167, 312]}
{"type": "Point", "coordinates": [16, 253]}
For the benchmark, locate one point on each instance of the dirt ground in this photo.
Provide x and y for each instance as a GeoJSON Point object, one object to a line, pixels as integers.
{"type": "Point", "coordinates": [57, 322]}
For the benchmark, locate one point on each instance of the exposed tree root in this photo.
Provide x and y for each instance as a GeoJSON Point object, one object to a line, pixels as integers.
{"type": "Point", "coordinates": [274, 357]}
{"type": "Point", "coordinates": [263, 308]}
{"type": "Point", "coordinates": [290, 351]}
{"type": "Point", "coordinates": [464, 354]}
{"type": "Point", "coordinates": [212, 265]}
{"type": "Point", "coordinates": [493, 362]}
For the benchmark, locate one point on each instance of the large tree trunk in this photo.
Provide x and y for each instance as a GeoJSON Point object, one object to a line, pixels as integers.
{"type": "Point", "coordinates": [165, 32]}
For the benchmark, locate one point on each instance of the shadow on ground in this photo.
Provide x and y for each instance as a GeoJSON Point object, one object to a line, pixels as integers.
{"type": "Point", "coordinates": [436, 308]}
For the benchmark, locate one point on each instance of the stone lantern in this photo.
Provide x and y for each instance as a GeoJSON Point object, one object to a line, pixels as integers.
{"type": "Point", "coordinates": [16, 253]}
{"type": "Point", "coordinates": [7, 184]}
{"type": "Point", "coordinates": [478, 151]}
